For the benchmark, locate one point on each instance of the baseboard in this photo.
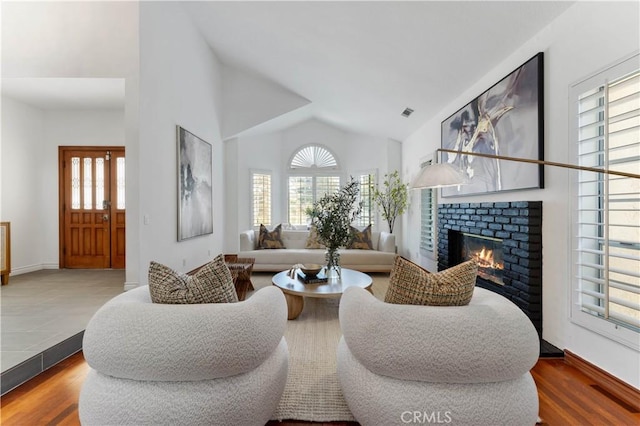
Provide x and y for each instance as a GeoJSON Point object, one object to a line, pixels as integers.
{"type": "Point", "coordinates": [606, 381]}
{"type": "Point", "coordinates": [26, 269]}
{"type": "Point", "coordinates": [130, 285]}
{"type": "Point", "coordinates": [32, 268]}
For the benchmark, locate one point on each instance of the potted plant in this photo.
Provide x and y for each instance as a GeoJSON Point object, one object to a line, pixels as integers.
{"type": "Point", "coordinates": [392, 199]}
{"type": "Point", "coordinates": [332, 216]}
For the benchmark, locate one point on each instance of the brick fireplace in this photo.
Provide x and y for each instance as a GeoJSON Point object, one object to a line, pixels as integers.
{"type": "Point", "coordinates": [513, 231]}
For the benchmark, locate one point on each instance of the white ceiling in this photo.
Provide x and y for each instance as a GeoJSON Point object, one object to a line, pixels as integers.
{"type": "Point", "coordinates": [359, 63]}
{"type": "Point", "coordinates": [66, 93]}
{"type": "Point", "coordinates": [362, 63]}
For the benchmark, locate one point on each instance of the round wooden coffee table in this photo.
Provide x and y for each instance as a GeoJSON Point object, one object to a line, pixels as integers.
{"type": "Point", "coordinates": [295, 290]}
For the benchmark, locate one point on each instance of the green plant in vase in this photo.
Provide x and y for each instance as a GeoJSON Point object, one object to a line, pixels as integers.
{"type": "Point", "coordinates": [392, 199]}
{"type": "Point", "coordinates": [332, 216]}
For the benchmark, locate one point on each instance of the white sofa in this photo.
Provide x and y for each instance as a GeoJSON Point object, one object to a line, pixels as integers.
{"type": "Point", "coordinates": [201, 364]}
{"type": "Point", "coordinates": [461, 365]}
{"type": "Point", "coordinates": [378, 260]}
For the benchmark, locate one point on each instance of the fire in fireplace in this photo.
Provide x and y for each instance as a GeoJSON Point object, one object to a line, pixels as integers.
{"type": "Point", "coordinates": [487, 252]}
{"type": "Point", "coordinates": [519, 225]}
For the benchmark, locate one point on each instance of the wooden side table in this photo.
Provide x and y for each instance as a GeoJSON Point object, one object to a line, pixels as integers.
{"type": "Point", "coordinates": [241, 269]}
{"type": "Point", "coordinates": [5, 252]}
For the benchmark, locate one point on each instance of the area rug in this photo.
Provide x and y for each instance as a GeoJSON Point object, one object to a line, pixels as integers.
{"type": "Point", "coordinates": [312, 392]}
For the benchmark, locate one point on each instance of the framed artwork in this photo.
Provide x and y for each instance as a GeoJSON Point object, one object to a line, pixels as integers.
{"type": "Point", "coordinates": [195, 189]}
{"type": "Point", "coordinates": [507, 120]}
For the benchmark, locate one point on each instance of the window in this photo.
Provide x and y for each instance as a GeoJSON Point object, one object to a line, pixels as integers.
{"type": "Point", "coordinates": [312, 175]}
{"type": "Point", "coordinates": [427, 215]}
{"type": "Point", "coordinates": [367, 214]}
{"type": "Point", "coordinates": [261, 198]}
{"type": "Point", "coordinates": [120, 183]}
{"type": "Point", "coordinates": [89, 182]}
{"type": "Point", "coordinates": [607, 222]}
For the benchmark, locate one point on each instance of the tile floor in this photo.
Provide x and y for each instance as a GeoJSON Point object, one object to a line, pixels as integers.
{"type": "Point", "coordinates": [41, 309]}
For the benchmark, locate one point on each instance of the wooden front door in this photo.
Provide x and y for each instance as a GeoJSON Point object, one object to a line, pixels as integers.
{"type": "Point", "coordinates": [92, 207]}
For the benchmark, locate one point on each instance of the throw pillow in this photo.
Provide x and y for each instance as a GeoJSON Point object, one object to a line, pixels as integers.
{"type": "Point", "coordinates": [270, 240]}
{"type": "Point", "coordinates": [210, 284]}
{"type": "Point", "coordinates": [361, 240]}
{"type": "Point", "coordinates": [409, 284]}
{"type": "Point", "coordinates": [312, 240]}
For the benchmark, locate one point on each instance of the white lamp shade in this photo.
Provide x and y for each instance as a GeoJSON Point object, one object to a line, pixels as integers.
{"type": "Point", "coordinates": [439, 175]}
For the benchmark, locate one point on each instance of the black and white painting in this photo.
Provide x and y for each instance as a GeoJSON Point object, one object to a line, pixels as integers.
{"type": "Point", "coordinates": [195, 189]}
{"type": "Point", "coordinates": [505, 120]}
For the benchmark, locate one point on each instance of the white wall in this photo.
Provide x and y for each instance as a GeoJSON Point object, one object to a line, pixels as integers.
{"type": "Point", "coordinates": [30, 141]}
{"type": "Point", "coordinates": [180, 84]}
{"type": "Point", "coordinates": [583, 40]}
{"type": "Point", "coordinates": [251, 100]}
{"type": "Point", "coordinates": [355, 153]}
{"type": "Point", "coordinates": [69, 39]}
{"type": "Point", "coordinates": [21, 180]}
{"type": "Point", "coordinates": [82, 40]}
{"type": "Point", "coordinates": [70, 128]}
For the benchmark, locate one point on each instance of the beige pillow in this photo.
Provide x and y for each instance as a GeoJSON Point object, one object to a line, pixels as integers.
{"type": "Point", "coordinates": [409, 284]}
{"type": "Point", "coordinates": [361, 240]}
{"type": "Point", "coordinates": [312, 240]}
{"type": "Point", "coordinates": [210, 284]}
{"type": "Point", "coordinates": [270, 239]}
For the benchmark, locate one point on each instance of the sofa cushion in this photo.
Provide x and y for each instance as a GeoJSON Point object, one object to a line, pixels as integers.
{"type": "Point", "coordinates": [410, 284]}
{"type": "Point", "coordinates": [270, 239]}
{"type": "Point", "coordinates": [210, 284]}
{"type": "Point", "coordinates": [313, 240]}
{"type": "Point", "coordinates": [361, 240]}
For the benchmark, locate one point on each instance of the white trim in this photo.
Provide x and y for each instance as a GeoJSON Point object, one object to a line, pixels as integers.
{"type": "Point", "coordinates": [433, 253]}
{"type": "Point", "coordinates": [251, 213]}
{"type": "Point", "coordinates": [604, 327]}
{"type": "Point", "coordinates": [130, 285]}
{"type": "Point", "coordinates": [33, 268]}
{"type": "Point", "coordinates": [375, 217]}
{"type": "Point", "coordinates": [607, 68]}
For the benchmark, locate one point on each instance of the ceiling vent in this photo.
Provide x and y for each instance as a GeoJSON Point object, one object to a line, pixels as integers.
{"type": "Point", "coordinates": [407, 112]}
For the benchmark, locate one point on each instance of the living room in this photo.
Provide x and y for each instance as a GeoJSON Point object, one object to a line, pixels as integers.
{"type": "Point", "coordinates": [169, 75]}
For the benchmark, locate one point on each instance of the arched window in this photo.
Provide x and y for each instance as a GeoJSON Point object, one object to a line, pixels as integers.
{"type": "Point", "coordinates": [313, 172]}
{"type": "Point", "coordinates": [313, 156]}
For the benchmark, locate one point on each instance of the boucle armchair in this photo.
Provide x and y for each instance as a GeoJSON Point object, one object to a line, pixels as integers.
{"type": "Point", "coordinates": [213, 364]}
{"type": "Point", "coordinates": [461, 365]}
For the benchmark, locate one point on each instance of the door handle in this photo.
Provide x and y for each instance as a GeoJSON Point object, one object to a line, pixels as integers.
{"type": "Point", "coordinates": [105, 217]}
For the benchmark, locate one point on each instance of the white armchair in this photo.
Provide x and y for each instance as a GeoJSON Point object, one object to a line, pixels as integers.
{"type": "Point", "coordinates": [461, 365]}
{"type": "Point", "coordinates": [222, 363]}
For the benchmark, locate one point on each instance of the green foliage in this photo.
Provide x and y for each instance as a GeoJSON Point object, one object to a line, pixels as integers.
{"type": "Point", "coordinates": [392, 200]}
{"type": "Point", "coordinates": [333, 214]}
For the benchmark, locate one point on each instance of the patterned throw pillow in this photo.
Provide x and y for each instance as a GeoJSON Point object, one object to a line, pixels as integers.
{"type": "Point", "coordinates": [270, 240]}
{"type": "Point", "coordinates": [312, 240]}
{"type": "Point", "coordinates": [210, 284]}
{"type": "Point", "coordinates": [361, 240]}
{"type": "Point", "coordinates": [409, 284]}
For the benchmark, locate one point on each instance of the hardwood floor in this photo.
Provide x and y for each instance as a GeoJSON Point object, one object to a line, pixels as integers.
{"type": "Point", "coordinates": [567, 397]}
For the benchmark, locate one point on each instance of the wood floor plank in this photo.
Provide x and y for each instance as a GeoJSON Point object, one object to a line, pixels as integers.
{"type": "Point", "coordinates": [567, 397]}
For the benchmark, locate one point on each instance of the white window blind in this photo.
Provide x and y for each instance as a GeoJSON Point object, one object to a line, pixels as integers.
{"type": "Point", "coordinates": [261, 198]}
{"type": "Point", "coordinates": [313, 176]}
{"type": "Point", "coordinates": [607, 243]}
{"type": "Point", "coordinates": [367, 181]}
{"type": "Point", "coordinates": [300, 198]}
{"type": "Point", "coordinates": [427, 217]}
{"type": "Point", "coordinates": [326, 185]}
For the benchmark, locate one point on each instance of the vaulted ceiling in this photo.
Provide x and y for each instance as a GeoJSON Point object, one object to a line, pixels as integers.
{"type": "Point", "coordinates": [360, 64]}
